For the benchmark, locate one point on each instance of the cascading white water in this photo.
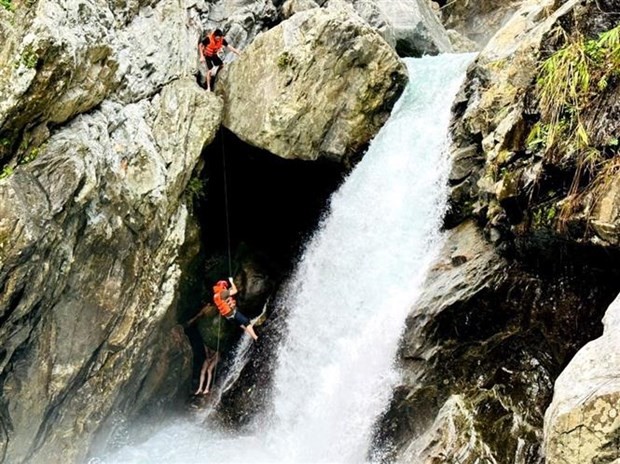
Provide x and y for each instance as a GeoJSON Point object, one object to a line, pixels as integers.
{"type": "Point", "coordinates": [356, 282]}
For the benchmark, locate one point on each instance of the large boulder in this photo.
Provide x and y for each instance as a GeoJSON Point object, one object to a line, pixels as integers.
{"type": "Point", "coordinates": [478, 20]}
{"type": "Point", "coordinates": [582, 423]}
{"type": "Point", "coordinates": [410, 26]}
{"type": "Point", "coordinates": [320, 84]}
{"type": "Point", "coordinates": [417, 30]}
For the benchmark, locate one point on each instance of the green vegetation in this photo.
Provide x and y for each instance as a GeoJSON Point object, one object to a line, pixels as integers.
{"type": "Point", "coordinates": [544, 216]}
{"type": "Point", "coordinates": [195, 189]}
{"type": "Point", "coordinates": [284, 60]}
{"type": "Point", "coordinates": [6, 172]}
{"type": "Point", "coordinates": [7, 4]}
{"type": "Point", "coordinates": [30, 156]}
{"type": "Point", "coordinates": [29, 58]}
{"type": "Point", "coordinates": [569, 82]}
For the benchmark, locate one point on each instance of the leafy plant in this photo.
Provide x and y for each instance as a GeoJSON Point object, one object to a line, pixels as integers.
{"type": "Point", "coordinates": [6, 172]}
{"type": "Point", "coordinates": [30, 156]}
{"type": "Point", "coordinates": [569, 81]}
{"type": "Point", "coordinates": [284, 60]}
{"type": "Point", "coordinates": [195, 189]}
{"type": "Point", "coordinates": [7, 4]}
{"type": "Point", "coordinates": [29, 58]}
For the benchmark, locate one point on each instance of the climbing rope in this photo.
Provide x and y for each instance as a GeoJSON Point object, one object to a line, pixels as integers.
{"type": "Point", "coordinates": [219, 319]}
{"type": "Point", "coordinates": [226, 207]}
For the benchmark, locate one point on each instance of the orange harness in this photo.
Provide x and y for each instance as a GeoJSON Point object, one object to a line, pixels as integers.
{"type": "Point", "coordinates": [215, 45]}
{"type": "Point", "coordinates": [222, 305]}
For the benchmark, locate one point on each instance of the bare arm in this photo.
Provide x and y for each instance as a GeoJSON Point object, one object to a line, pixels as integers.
{"type": "Point", "coordinates": [233, 288]}
{"type": "Point", "coordinates": [206, 309]}
{"type": "Point", "coordinates": [234, 50]}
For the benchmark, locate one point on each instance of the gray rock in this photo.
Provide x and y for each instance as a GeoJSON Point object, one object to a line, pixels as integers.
{"type": "Point", "coordinates": [478, 20]}
{"type": "Point", "coordinates": [89, 236]}
{"type": "Point", "coordinates": [371, 12]}
{"type": "Point", "coordinates": [290, 7]}
{"type": "Point", "coordinates": [70, 55]}
{"type": "Point", "coordinates": [416, 28]}
{"type": "Point", "coordinates": [480, 351]}
{"type": "Point", "coordinates": [460, 43]}
{"type": "Point", "coordinates": [320, 84]}
{"type": "Point", "coordinates": [583, 421]}
{"type": "Point", "coordinates": [410, 26]}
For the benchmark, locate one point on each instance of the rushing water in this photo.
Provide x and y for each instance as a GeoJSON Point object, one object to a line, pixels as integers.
{"type": "Point", "coordinates": [356, 282]}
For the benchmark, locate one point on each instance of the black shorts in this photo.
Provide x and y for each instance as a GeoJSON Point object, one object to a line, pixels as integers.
{"type": "Point", "coordinates": [213, 61]}
{"type": "Point", "coordinates": [239, 318]}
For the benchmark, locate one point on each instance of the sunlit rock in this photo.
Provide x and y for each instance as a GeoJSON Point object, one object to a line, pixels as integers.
{"type": "Point", "coordinates": [60, 59]}
{"type": "Point", "coordinates": [492, 105]}
{"type": "Point", "coordinates": [320, 84]}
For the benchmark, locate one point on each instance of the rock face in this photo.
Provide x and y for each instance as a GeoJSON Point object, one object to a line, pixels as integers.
{"type": "Point", "coordinates": [62, 58]}
{"type": "Point", "coordinates": [582, 425]}
{"type": "Point", "coordinates": [417, 30]}
{"type": "Point", "coordinates": [478, 20]}
{"type": "Point", "coordinates": [90, 232]}
{"type": "Point", "coordinates": [410, 26]}
{"type": "Point", "coordinates": [320, 84]}
{"type": "Point", "coordinates": [503, 174]}
{"type": "Point", "coordinates": [490, 109]}
{"type": "Point", "coordinates": [92, 216]}
{"type": "Point", "coordinates": [480, 352]}
{"type": "Point", "coordinates": [241, 20]}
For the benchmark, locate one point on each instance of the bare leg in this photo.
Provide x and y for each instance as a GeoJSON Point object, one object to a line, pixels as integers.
{"type": "Point", "coordinates": [208, 80]}
{"type": "Point", "coordinates": [212, 363]}
{"type": "Point", "coordinates": [203, 370]}
{"type": "Point", "coordinates": [212, 73]}
{"type": "Point", "coordinates": [250, 330]}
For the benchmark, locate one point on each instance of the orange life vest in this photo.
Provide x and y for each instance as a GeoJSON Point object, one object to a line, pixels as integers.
{"type": "Point", "coordinates": [222, 305]}
{"type": "Point", "coordinates": [215, 45]}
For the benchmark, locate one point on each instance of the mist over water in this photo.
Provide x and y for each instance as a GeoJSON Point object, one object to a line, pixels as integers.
{"type": "Point", "coordinates": [356, 282]}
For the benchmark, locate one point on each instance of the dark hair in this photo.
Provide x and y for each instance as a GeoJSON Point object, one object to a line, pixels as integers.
{"type": "Point", "coordinates": [218, 33]}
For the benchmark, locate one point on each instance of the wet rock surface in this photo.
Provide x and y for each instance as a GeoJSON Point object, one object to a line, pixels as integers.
{"type": "Point", "coordinates": [481, 351]}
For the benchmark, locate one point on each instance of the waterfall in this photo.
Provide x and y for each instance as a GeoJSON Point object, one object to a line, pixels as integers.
{"type": "Point", "coordinates": [357, 280]}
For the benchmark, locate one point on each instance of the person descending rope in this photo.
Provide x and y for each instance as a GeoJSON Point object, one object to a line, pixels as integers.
{"type": "Point", "coordinates": [210, 46]}
{"type": "Point", "coordinates": [227, 305]}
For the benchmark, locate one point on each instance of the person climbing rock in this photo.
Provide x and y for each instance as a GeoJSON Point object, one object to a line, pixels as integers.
{"type": "Point", "coordinates": [210, 46]}
{"type": "Point", "coordinates": [227, 305]}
